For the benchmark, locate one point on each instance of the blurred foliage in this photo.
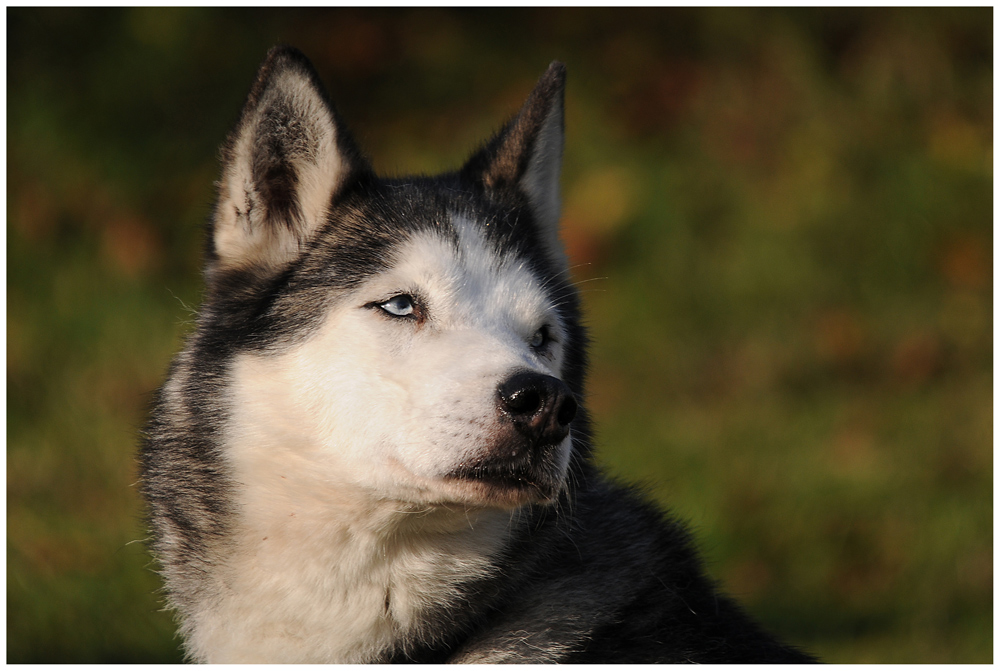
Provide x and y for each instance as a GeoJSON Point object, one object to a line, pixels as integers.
{"type": "Point", "coordinates": [781, 221]}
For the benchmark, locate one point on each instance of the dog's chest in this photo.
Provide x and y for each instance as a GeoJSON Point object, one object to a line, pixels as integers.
{"type": "Point", "coordinates": [305, 586]}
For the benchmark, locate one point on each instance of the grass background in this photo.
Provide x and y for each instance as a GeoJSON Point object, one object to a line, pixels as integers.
{"type": "Point", "coordinates": [781, 220]}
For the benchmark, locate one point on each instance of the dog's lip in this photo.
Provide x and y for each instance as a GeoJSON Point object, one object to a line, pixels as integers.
{"type": "Point", "coordinates": [527, 484]}
{"type": "Point", "coordinates": [515, 479]}
{"type": "Point", "coordinates": [512, 471]}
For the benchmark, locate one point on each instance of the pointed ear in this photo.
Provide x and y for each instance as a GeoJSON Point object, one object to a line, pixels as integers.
{"type": "Point", "coordinates": [526, 156]}
{"type": "Point", "coordinates": [282, 165]}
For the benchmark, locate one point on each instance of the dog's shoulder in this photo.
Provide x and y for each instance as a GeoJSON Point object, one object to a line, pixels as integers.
{"type": "Point", "coordinates": [613, 577]}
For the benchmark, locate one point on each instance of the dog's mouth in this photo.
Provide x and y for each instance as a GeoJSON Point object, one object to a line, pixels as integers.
{"type": "Point", "coordinates": [514, 480]}
{"type": "Point", "coordinates": [533, 476]}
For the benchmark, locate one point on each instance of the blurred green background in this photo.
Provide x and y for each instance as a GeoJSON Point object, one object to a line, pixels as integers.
{"type": "Point", "coordinates": [781, 221]}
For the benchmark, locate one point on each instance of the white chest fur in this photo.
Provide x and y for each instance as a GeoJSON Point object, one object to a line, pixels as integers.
{"type": "Point", "coordinates": [338, 584]}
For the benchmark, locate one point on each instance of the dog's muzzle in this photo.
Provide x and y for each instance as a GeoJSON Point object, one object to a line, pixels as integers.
{"type": "Point", "coordinates": [524, 462]}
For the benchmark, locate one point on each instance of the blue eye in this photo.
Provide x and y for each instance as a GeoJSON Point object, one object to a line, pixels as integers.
{"type": "Point", "coordinates": [540, 339]}
{"type": "Point", "coordinates": [399, 306]}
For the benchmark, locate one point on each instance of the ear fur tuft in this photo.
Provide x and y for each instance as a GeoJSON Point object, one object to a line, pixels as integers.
{"type": "Point", "coordinates": [282, 164]}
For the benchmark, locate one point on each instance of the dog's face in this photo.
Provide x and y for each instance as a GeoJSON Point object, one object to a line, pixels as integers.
{"type": "Point", "coordinates": [436, 380]}
{"type": "Point", "coordinates": [418, 329]}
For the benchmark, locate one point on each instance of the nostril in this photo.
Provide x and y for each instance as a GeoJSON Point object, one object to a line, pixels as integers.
{"type": "Point", "coordinates": [523, 401]}
{"type": "Point", "coordinates": [567, 411]}
{"type": "Point", "coordinates": [525, 395]}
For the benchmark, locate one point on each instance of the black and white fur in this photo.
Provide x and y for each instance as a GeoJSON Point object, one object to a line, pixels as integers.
{"type": "Point", "coordinates": [373, 447]}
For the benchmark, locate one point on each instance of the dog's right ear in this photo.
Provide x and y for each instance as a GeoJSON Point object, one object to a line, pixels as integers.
{"type": "Point", "coordinates": [526, 157]}
{"type": "Point", "coordinates": [283, 164]}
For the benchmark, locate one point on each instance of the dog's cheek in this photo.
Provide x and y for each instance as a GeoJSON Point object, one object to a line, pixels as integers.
{"type": "Point", "coordinates": [448, 407]}
{"type": "Point", "coordinates": [316, 394]}
{"type": "Point", "coordinates": [363, 411]}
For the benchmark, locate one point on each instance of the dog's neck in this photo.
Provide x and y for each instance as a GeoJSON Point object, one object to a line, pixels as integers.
{"type": "Point", "coordinates": [333, 573]}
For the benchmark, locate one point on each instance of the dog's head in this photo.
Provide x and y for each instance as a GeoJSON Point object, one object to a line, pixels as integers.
{"type": "Point", "coordinates": [416, 338]}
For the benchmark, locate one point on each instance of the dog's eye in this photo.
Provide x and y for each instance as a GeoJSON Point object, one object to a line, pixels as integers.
{"type": "Point", "coordinates": [399, 306]}
{"type": "Point", "coordinates": [540, 339]}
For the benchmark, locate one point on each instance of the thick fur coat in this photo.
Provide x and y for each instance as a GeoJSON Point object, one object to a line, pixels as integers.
{"type": "Point", "coordinates": [374, 446]}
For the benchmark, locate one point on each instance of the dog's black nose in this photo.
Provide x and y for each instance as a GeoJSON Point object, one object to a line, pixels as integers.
{"type": "Point", "coordinates": [541, 406]}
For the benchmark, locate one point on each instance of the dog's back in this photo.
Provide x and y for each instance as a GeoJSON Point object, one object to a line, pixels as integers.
{"type": "Point", "coordinates": [374, 448]}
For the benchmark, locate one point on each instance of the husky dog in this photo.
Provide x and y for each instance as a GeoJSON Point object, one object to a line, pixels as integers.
{"type": "Point", "coordinates": [373, 447]}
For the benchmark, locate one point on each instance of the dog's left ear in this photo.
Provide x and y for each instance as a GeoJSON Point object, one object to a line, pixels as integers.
{"type": "Point", "coordinates": [526, 157]}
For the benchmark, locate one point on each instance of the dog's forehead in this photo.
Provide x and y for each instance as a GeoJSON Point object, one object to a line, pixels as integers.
{"type": "Point", "coordinates": [468, 269]}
